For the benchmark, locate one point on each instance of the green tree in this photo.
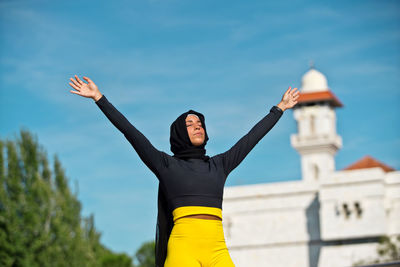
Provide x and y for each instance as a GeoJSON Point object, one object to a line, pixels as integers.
{"type": "Point", "coordinates": [388, 250]}
{"type": "Point", "coordinates": [114, 260]}
{"type": "Point", "coordinates": [145, 255]}
{"type": "Point", "coordinates": [40, 218]}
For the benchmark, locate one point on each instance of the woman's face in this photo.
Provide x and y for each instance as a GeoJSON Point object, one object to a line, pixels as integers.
{"type": "Point", "coordinates": [195, 130]}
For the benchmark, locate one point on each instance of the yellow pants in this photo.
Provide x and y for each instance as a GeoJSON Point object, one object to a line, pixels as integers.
{"type": "Point", "coordinates": [197, 242]}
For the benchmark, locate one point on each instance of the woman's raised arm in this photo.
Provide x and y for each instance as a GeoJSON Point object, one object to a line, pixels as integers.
{"type": "Point", "coordinates": [232, 158]}
{"type": "Point", "coordinates": [152, 157]}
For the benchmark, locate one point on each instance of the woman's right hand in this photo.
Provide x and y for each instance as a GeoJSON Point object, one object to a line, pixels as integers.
{"type": "Point", "coordinates": [88, 90]}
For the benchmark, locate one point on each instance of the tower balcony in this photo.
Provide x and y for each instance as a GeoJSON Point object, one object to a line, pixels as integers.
{"type": "Point", "coordinates": [316, 143]}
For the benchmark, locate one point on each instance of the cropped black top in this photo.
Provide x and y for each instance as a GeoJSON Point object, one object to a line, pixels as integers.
{"type": "Point", "coordinates": [191, 182]}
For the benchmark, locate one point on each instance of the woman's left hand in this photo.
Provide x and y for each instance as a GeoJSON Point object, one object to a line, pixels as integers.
{"type": "Point", "coordinates": [289, 98]}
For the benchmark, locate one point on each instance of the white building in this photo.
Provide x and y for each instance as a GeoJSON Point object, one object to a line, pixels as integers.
{"type": "Point", "coordinates": [329, 218]}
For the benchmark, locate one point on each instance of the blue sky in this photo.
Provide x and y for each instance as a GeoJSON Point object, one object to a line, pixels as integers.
{"type": "Point", "coordinates": [230, 60]}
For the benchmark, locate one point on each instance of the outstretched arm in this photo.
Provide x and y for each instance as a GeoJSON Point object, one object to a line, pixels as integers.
{"type": "Point", "coordinates": [232, 158]}
{"type": "Point", "coordinates": [151, 156]}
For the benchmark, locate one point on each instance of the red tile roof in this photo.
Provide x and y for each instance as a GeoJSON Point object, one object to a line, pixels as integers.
{"type": "Point", "coordinates": [368, 162]}
{"type": "Point", "coordinates": [319, 96]}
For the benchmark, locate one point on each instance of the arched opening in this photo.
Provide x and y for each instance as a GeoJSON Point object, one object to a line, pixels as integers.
{"type": "Point", "coordinates": [312, 124]}
{"type": "Point", "coordinates": [315, 171]}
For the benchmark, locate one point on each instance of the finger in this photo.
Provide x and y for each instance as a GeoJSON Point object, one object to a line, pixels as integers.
{"type": "Point", "coordinates": [87, 79]}
{"type": "Point", "coordinates": [75, 82]}
{"type": "Point", "coordinates": [293, 92]}
{"type": "Point", "coordinates": [75, 92]}
{"type": "Point", "coordinates": [74, 86]}
{"type": "Point", "coordinates": [287, 91]}
{"type": "Point", "coordinates": [295, 95]}
{"type": "Point", "coordinates": [79, 80]}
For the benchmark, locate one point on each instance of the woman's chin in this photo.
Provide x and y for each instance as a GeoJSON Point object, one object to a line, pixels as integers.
{"type": "Point", "coordinates": [198, 143]}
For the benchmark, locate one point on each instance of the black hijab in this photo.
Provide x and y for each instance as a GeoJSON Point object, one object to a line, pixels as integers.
{"type": "Point", "coordinates": [182, 148]}
{"type": "Point", "coordinates": [181, 145]}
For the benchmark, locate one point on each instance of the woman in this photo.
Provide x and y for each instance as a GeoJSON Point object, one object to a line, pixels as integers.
{"type": "Point", "coordinates": [189, 222]}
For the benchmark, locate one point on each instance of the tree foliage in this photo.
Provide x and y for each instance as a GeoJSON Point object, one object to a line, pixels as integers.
{"type": "Point", "coordinates": [388, 250]}
{"type": "Point", "coordinates": [145, 255]}
{"type": "Point", "coordinates": [113, 260]}
{"type": "Point", "coordinates": [40, 218]}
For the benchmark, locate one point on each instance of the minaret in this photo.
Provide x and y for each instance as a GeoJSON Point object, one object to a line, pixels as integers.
{"type": "Point", "coordinates": [317, 140]}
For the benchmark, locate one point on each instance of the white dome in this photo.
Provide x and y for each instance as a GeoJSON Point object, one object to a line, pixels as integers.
{"type": "Point", "coordinates": [313, 81]}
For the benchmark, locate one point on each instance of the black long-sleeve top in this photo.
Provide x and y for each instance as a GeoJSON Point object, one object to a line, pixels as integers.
{"type": "Point", "coordinates": [192, 182]}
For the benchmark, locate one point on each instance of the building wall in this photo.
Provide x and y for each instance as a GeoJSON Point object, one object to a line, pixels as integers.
{"type": "Point", "coordinates": [304, 223]}
{"type": "Point", "coordinates": [340, 195]}
{"type": "Point", "coordinates": [346, 255]}
{"type": "Point", "coordinates": [271, 224]}
{"type": "Point", "coordinates": [295, 255]}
